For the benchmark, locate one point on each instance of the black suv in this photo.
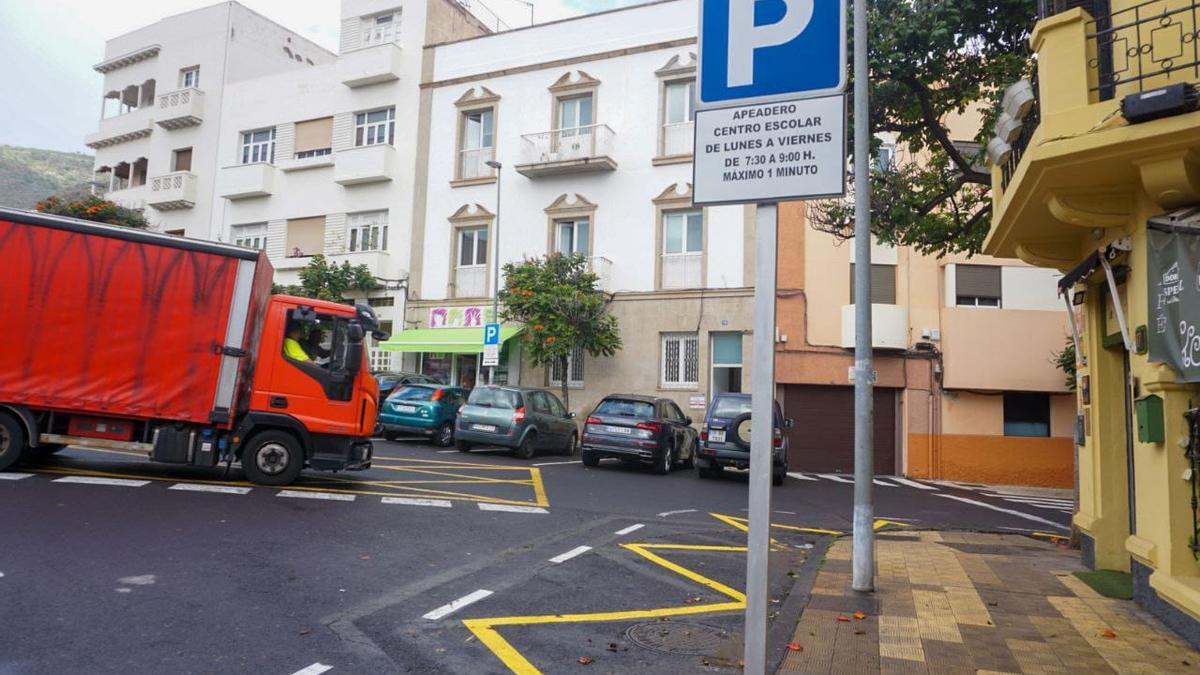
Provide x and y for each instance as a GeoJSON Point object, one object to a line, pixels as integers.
{"type": "Point", "coordinates": [641, 429]}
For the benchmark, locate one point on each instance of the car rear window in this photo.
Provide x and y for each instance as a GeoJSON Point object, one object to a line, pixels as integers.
{"type": "Point", "coordinates": [387, 380]}
{"type": "Point", "coordinates": [411, 393]}
{"type": "Point", "coordinates": [494, 398]}
{"type": "Point", "coordinates": [730, 406]}
{"type": "Point", "coordinates": [625, 408]}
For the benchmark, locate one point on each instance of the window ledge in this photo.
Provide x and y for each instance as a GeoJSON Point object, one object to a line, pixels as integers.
{"type": "Point", "coordinates": [464, 182]}
{"type": "Point", "coordinates": [671, 159]}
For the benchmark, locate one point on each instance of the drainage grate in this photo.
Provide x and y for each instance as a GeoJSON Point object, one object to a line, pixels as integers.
{"type": "Point", "coordinates": [674, 637]}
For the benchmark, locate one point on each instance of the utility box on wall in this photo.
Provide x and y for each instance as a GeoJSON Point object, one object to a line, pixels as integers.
{"type": "Point", "coordinates": [1149, 419]}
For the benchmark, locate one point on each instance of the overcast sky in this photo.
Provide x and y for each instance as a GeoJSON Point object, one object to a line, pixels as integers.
{"type": "Point", "coordinates": [49, 47]}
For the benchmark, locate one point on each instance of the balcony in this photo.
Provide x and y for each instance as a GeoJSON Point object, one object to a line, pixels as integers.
{"type": "Point", "coordinates": [313, 161]}
{"type": "Point", "coordinates": [677, 139]}
{"type": "Point", "coordinates": [374, 260]}
{"type": "Point", "coordinates": [682, 270]}
{"type": "Point", "coordinates": [602, 267]}
{"type": "Point", "coordinates": [366, 164]}
{"type": "Point", "coordinates": [473, 168]}
{"type": "Point", "coordinates": [889, 326]}
{"type": "Point", "coordinates": [129, 197]}
{"type": "Point", "coordinates": [121, 129]}
{"type": "Point", "coordinates": [244, 181]}
{"type": "Point", "coordinates": [180, 109]}
{"type": "Point", "coordinates": [173, 191]}
{"type": "Point", "coordinates": [373, 65]}
{"type": "Point", "coordinates": [470, 282]}
{"type": "Point", "coordinates": [1079, 171]}
{"type": "Point", "coordinates": [566, 151]}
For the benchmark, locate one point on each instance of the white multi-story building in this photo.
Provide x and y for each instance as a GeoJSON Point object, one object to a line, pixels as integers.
{"type": "Point", "coordinates": [160, 117]}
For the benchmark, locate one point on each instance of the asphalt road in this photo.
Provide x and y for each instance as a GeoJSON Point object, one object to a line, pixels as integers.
{"type": "Point", "coordinates": [431, 562]}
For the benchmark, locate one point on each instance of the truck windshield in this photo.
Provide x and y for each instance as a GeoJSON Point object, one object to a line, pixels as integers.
{"type": "Point", "coordinates": [492, 397]}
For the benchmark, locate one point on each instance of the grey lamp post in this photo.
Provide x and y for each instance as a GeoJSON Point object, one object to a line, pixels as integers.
{"type": "Point", "coordinates": [495, 261]}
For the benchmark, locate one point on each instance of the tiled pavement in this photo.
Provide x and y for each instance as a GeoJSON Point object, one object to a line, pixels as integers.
{"type": "Point", "coordinates": [975, 603]}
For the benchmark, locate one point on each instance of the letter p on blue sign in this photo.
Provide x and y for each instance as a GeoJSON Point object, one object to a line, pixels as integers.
{"type": "Point", "coordinates": [491, 334]}
{"type": "Point", "coordinates": [755, 51]}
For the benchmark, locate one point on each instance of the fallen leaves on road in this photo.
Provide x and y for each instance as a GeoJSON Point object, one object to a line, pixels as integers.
{"type": "Point", "coordinates": [842, 617]}
{"type": "Point", "coordinates": [585, 660]}
{"type": "Point", "coordinates": [860, 616]}
{"type": "Point", "coordinates": [860, 632]}
{"type": "Point", "coordinates": [692, 599]}
{"type": "Point", "coordinates": [795, 647]}
{"type": "Point", "coordinates": [1109, 633]}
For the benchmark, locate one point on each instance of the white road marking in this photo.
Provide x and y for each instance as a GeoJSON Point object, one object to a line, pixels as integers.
{"type": "Point", "coordinates": [140, 580]}
{"type": "Point", "coordinates": [800, 476]}
{"type": "Point", "coordinates": [570, 461]}
{"type": "Point", "coordinates": [879, 482]}
{"type": "Point", "coordinates": [1033, 500]}
{"type": "Point", "coordinates": [563, 557]}
{"type": "Point", "coordinates": [445, 452]}
{"type": "Point", "coordinates": [1, 575]}
{"type": "Point", "coordinates": [93, 480]}
{"type": "Point", "coordinates": [913, 483]}
{"type": "Point", "coordinates": [201, 487]}
{"type": "Point", "coordinates": [410, 501]}
{"type": "Point", "coordinates": [314, 669]}
{"type": "Point", "coordinates": [511, 508]}
{"type": "Point", "coordinates": [627, 530]}
{"type": "Point", "coordinates": [456, 605]}
{"type": "Point", "coordinates": [328, 496]}
{"type": "Point", "coordinates": [14, 476]}
{"type": "Point", "coordinates": [836, 478]}
{"type": "Point", "coordinates": [1019, 514]}
{"type": "Point", "coordinates": [664, 514]}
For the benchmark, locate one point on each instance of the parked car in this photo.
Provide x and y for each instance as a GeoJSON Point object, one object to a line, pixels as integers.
{"type": "Point", "coordinates": [388, 381]}
{"type": "Point", "coordinates": [725, 438]}
{"type": "Point", "coordinates": [526, 420]}
{"type": "Point", "coordinates": [423, 410]}
{"type": "Point", "coordinates": [640, 429]}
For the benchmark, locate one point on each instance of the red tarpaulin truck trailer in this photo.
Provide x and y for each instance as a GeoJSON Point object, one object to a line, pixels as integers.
{"type": "Point", "coordinates": [119, 338]}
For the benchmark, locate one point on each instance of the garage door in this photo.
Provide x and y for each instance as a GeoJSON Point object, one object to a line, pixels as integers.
{"type": "Point", "coordinates": [822, 438]}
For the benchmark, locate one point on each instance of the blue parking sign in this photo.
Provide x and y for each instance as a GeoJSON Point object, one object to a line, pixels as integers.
{"type": "Point", "coordinates": [491, 334]}
{"type": "Point", "coordinates": [755, 51]}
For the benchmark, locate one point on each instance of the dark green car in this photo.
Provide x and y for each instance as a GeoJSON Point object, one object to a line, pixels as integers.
{"type": "Point", "coordinates": [526, 420]}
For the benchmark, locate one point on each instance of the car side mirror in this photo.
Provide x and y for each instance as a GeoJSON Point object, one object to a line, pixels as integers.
{"type": "Point", "coordinates": [787, 423]}
{"type": "Point", "coordinates": [687, 421]}
{"type": "Point", "coordinates": [571, 415]}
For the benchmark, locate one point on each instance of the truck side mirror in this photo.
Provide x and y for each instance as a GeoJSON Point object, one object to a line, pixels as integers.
{"type": "Point", "coordinates": [354, 347]}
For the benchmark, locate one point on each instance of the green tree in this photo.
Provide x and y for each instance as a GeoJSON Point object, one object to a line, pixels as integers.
{"type": "Point", "coordinates": [1065, 361]}
{"type": "Point", "coordinates": [91, 207]}
{"type": "Point", "coordinates": [931, 60]}
{"type": "Point", "coordinates": [323, 280]}
{"type": "Point", "coordinates": [557, 300]}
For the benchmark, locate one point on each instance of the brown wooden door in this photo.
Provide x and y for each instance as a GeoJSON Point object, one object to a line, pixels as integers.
{"type": "Point", "coordinates": [822, 436]}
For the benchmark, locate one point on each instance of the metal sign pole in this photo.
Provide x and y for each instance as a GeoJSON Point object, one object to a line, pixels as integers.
{"type": "Point", "coordinates": [762, 438]}
{"type": "Point", "coordinates": [863, 562]}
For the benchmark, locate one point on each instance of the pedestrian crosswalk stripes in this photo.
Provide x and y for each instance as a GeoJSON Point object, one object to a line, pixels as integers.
{"type": "Point", "coordinates": [1059, 504]}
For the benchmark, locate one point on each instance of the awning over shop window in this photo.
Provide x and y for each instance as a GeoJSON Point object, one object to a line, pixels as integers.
{"type": "Point", "coordinates": [444, 340]}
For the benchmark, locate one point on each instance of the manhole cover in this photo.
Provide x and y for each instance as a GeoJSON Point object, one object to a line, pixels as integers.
{"type": "Point", "coordinates": [675, 637]}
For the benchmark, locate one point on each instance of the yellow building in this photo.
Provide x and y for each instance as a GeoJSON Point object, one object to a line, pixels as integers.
{"type": "Point", "coordinates": [1096, 183]}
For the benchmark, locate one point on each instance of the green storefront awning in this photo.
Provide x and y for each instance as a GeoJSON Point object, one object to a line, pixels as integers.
{"type": "Point", "coordinates": [444, 340]}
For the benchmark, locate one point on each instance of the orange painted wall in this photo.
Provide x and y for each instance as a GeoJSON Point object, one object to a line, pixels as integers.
{"type": "Point", "coordinates": [1003, 460]}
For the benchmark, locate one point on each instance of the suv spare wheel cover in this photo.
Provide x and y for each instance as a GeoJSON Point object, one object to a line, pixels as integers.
{"type": "Point", "coordinates": [741, 427]}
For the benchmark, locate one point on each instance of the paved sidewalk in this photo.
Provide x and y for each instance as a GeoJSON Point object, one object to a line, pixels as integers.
{"type": "Point", "coordinates": [948, 602]}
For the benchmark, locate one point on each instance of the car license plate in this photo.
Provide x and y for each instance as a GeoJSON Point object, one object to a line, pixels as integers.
{"type": "Point", "coordinates": [483, 427]}
{"type": "Point", "coordinates": [618, 430]}
{"type": "Point", "coordinates": [407, 408]}
{"type": "Point", "coordinates": [716, 436]}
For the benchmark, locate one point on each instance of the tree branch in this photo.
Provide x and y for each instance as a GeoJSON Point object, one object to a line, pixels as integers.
{"type": "Point", "coordinates": [934, 125]}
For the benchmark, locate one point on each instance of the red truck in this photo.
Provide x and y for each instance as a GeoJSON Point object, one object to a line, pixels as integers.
{"type": "Point", "coordinates": [119, 338]}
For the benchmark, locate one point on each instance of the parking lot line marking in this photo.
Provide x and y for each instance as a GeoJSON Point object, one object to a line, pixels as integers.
{"type": "Point", "coordinates": [564, 557]}
{"type": "Point", "coordinates": [409, 501]}
{"type": "Point", "coordinates": [200, 487]}
{"type": "Point", "coordinates": [664, 514]}
{"type": "Point", "coordinates": [327, 496]}
{"type": "Point", "coordinates": [511, 508]}
{"type": "Point", "coordinates": [913, 483]}
{"type": "Point", "coordinates": [800, 476]}
{"type": "Point", "coordinates": [567, 461]}
{"type": "Point", "coordinates": [446, 452]}
{"type": "Point", "coordinates": [94, 480]}
{"type": "Point", "coordinates": [627, 530]}
{"type": "Point", "coordinates": [456, 605]}
{"type": "Point", "coordinates": [835, 478]}
{"type": "Point", "coordinates": [109, 451]}
{"type": "Point", "coordinates": [1013, 512]}
{"type": "Point", "coordinates": [743, 525]}
{"type": "Point", "coordinates": [879, 482]}
{"type": "Point", "coordinates": [424, 491]}
{"type": "Point", "coordinates": [14, 476]}
{"type": "Point", "coordinates": [458, 464]}
{"type": "Point", "coordinates": [314, 669]}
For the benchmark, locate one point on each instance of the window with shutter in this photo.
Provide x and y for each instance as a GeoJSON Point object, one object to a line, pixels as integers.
{"type": "Point", "coordinates": [883, 284]}
{"type": "Point", "coordinates": [977, 285]}
{"type": "Point", "coordinates": [314, 138]}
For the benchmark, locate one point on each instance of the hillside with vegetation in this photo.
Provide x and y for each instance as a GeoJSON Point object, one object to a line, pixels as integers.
{"type": "Point", "coordinates": [28, 175]}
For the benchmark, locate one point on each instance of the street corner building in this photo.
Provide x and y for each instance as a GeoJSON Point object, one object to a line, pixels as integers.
{"type": "Point", "coordinates": [1096, 174]}
{"type": "Point", "coordinates": [440, 143]}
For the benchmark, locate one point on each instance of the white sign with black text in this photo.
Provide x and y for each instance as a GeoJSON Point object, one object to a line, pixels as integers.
{"type": "Point", "coordinates": [491, 355]}
{"type": "Point", "coordinates": [772, 151]}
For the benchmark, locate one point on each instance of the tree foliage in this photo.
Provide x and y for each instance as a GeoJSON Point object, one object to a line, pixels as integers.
{"type": "Point", "coordinates": [557, 300]}
{"type": "Point", "coordinates": [323, 280]}
{"type": "Point", "coordinates": [91, 207]}
{"type": "Point", "coordinates": [1065, 361]}
{"type": "Point", "coordinates": [931, 60]}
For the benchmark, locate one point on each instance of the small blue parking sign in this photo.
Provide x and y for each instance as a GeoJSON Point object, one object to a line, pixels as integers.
{"type": "Point", "coordinates": [755, 51]}
{"type": "Point", "coordinates": [491, 334]}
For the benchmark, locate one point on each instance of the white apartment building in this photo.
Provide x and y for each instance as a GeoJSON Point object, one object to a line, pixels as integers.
{"type": "Point", "coordinates": [591, 121]}
{"type": "Point", "coordinates": [160, 115]}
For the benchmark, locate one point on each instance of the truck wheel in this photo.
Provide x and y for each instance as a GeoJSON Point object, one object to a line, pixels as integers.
{"type": "Point", "coordinates": [12, 441]}
{"type": "Point", "coordinates": [272, 458]}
